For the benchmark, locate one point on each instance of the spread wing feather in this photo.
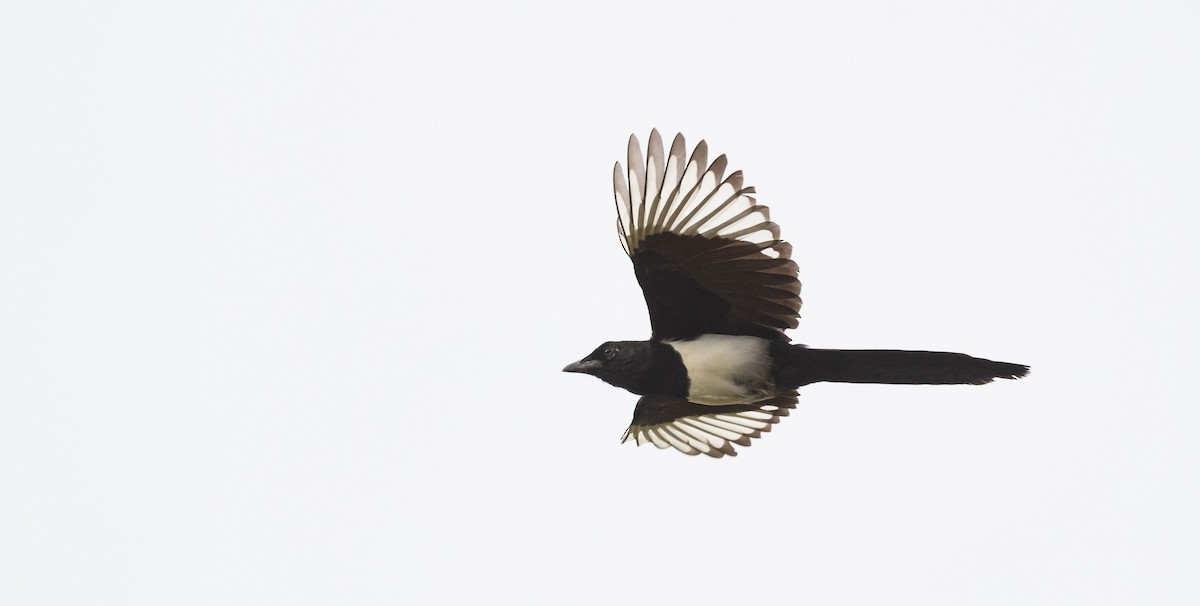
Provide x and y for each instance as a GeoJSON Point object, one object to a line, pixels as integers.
{"type": "Point", "coordinates": [706, 254]}
{"type": "Point", "coordinates": [673, 422]}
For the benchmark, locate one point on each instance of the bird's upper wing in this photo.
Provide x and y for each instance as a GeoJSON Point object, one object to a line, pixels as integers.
{"type": "Point", "coordinates": [696, 428]}
{"type": "Point", "coordinates": [707, 255]}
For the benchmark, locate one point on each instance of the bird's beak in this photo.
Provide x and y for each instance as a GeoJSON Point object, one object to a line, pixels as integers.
{"type": "Point", "coordinates": [584, 366]}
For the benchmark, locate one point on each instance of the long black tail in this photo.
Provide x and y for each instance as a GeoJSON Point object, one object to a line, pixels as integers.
{"type": "Point", "coordinates": [796, 365]}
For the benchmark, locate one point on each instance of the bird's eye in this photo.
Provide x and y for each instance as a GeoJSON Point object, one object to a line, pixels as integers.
{"type": "Point", "coordinates": [609, 352]}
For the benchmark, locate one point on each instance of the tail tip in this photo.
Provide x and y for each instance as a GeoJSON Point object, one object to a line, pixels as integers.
{"type": "Point", "coordinates": [1005, 371]}
{"type": "Point", "coordinates": [1013, 371]}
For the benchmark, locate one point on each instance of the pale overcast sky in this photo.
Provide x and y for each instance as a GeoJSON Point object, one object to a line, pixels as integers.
{"type": "Point", "coordinates": [287, 288]}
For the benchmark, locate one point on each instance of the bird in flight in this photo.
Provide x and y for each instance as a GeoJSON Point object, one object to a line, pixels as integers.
{"type": "Point", "coordinates": [721, 288]}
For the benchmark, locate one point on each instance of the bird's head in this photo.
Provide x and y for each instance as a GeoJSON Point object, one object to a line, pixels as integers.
{"type": "Point", "coordinates": [619, 363]}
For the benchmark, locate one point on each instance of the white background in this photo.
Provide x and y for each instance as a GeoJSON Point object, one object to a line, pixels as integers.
{"type": "Point", "coordinates": [287, 288]}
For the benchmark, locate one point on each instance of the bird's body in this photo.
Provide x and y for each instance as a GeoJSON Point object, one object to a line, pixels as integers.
{"type": "Point", "coordinates": [721, 288]}
{"type": "Point", "coordinates": [726, 369]}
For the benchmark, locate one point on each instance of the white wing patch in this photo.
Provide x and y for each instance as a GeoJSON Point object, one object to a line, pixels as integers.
{"type": "Point", "coordinates": [712, 434]}
{"type": "Point", "coordinates": [671, 193]}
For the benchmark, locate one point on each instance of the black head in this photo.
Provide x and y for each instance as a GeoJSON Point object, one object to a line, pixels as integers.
{"type": "Point", "coordinates": [641, 367]}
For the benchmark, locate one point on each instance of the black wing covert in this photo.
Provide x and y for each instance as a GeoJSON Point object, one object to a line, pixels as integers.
{"type": "Point", "coordinates": [672, 421]}
{"type": "Point", "coordinates": [706, 254]}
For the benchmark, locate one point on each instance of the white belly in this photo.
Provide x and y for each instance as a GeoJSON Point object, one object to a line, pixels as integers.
{"type": "Point", "coordinates": [726, 369]}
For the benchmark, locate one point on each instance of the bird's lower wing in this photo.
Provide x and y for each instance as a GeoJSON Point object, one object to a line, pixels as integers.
{"type": "Point", "coordinates": [672, 421]}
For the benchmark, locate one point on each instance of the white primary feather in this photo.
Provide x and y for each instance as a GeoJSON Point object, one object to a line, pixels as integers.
{"type": "Point", "coordinates": [668, 192]}
{"type": "Point", "coordinates": [712, 434]}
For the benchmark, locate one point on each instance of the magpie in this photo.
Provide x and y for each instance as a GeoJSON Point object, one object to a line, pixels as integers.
{"type": "Point", "coordinates": [721, 289]}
